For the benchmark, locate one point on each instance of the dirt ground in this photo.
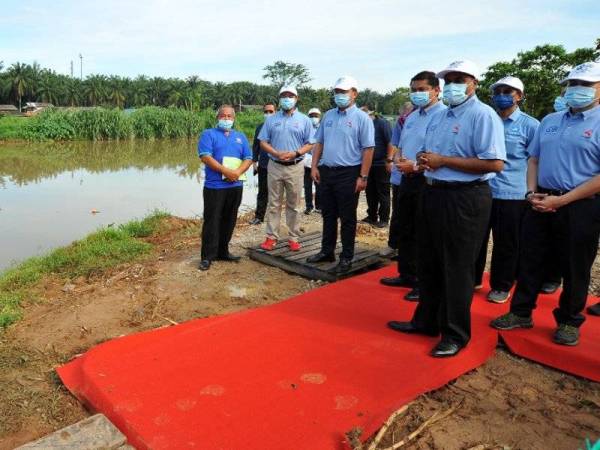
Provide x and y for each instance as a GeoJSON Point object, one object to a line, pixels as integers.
{"type": "Point", "coordinates": [506, 403]}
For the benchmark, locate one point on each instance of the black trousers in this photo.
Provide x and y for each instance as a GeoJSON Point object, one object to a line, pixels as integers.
{"type": "Point", "coordinates": [220, 215]}
{"type": "Point", "coordinates": [505, 227]}
{"type": "Point", "coordinates": [574, 231]}
{"type": "Point", "coordinates": [411, 190]}
{"type": "Point", "coordinates": [394, 221]}
{"type": "Point", "coordinates": [262, 198]}
{"type": "Point", "coordinates": [452, 223]}
{"type": "Point", "coordinates": [339, 201]}
{"type": "Point", "coordinates": [378, 194]}
{"type": "Point", "coordinates": [308, 191]}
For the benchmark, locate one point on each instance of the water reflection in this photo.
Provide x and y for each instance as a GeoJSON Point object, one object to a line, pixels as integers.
{"type": "Point", "coordinates": [48, 190]}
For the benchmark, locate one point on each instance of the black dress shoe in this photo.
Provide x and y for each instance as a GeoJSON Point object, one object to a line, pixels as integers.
{"type": "Point", "coordinates": [204, 264]}
{"type": "Point", "coordinates": [594, 310]}
{"type": "Point", "coordinates": [256, 221]}
{"type": "Point", "coordinates": [369, 220]}
{"type": "Point", "coordinates": [445, 349]}
{"type": "Point", "coordinates": [413, 295]}
{"type": "Point", "coordinates": [307, 211]}
{"type": "Point", "coordinates": [229, 257]}
{"type": "Point", "coordinates": [408, 327]}
{"type": "Point", "coordinates": [397, 282]}
{"type": "Point", "coordinates": [320, 257]}
{"type": "Point", "coordinates": [343, 266]}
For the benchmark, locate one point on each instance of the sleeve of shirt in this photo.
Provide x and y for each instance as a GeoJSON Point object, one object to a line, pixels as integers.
{"type": "Point", "coordinates": [309, 132]}
{"type": "Point", "coordinates": [256, 144]}
{"type": "Point", "coordinates": [534, 146]}
{"type": "Point", "coordinates": [366, 134]}
{"type": "Point", "coordinates": [318, 137]}
{"type": "Point", "coordinates": [532, 127]}
{"type": "Point", "coordinates": [265, 131]}
{"type": "Point", "coordinates": [396, 133]}
{"type": "Point", "coordinates": [488, 136]}
{"type": "Point", "coordinates": [205, 144]}
{"type": "Point", "coordinates": [246, 151]}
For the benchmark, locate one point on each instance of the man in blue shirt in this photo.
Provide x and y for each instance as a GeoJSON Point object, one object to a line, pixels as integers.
{"type": "Point", "coordinates": [563, 181]}
{"type": "Point", "coordinates": [314, 114]}
{"type": "Point", "coordinates": [341, 162]}
{"type": "Point", "coordinates": [464, 148]}
{"type": "Point", "coordinates": [286, 136]}
{"type": "Point", "coordinates": [226, 156]}
{"type": "Point", "coordinates": [425, 89]}
{"type": "Point", "coordinates": [260, 162]}
{"type": "Point", "coordinates": [508, 191]}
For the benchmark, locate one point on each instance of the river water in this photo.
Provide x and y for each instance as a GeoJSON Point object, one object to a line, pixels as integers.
{"type": "Point", "coordinates": [49, 190]}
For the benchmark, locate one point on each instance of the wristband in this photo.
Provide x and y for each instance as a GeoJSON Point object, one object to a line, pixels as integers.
{"type": "Point", "coordinates": [528, 194]}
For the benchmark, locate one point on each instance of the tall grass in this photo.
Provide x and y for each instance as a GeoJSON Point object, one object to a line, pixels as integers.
{"type": "Point", "coordinates": [98, 251]}
{"type": "Point", "coordinates": [96, 124]}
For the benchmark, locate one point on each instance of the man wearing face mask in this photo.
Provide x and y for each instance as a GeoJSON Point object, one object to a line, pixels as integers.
{"type": "Point", "coordinates": [226, 156]}
{"type": "Point", "coordinates": [314, 114]}
{"type": "Point", "coordinates": [261, 161]}
{"type": "Point", "coordinates": [286, 136]}
{"type": "Point", "coordinates": [563, 181]}
{"type": "Point", "coordinates": [425, 89]}
{"type": "Point", "coordinates": [508, 191]}
{"type": "Point", "coordinates": [341, 161]}
{"type": "Point", "coordinates": [464, 148]}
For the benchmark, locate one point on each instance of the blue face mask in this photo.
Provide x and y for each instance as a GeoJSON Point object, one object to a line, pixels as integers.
{"type": "Point", "coordinates": [342, 100]}
{"type": "Point", "coordinates": [455, 93]}
{"type": "Point", "coordinates": [580, 96]}
{"type": "Point", "coordinates": [503, 101]}
{"type": "Point", "coordinates": [225, 124]}
{"type": "Point", "coordinates": [419, 99]}
{"type": "Point", "coordinates": [560, 104]}
{"type": "Point", "coordinates": [287, 103]}
{"type": "Point", "coordinates": [315, 120]}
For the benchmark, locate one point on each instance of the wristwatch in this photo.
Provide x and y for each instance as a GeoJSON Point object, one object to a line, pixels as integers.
{"type": "Point", "coordinates": [528, 194]}
{"type": "Point", "coordinates": [364, 177]}
{"type": "Point", "coordinates": [298, 155]}
{"type": "Point", "coordinates": [389, 160]}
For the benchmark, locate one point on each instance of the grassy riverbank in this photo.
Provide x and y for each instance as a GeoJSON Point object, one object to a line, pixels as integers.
{"type": "Point", "coordinates": [105, 248]}
{"type": "Point", "coordinates": [115, 124]}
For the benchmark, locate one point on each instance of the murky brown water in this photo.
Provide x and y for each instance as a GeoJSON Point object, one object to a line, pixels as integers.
{"type": "Point", "coordinates": [48, 190]}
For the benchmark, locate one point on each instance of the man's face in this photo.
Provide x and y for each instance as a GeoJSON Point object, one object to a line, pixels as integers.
{"type": "Point", "coordinates": [269, 109]}
{"type": "Point", "coordinates": [287, 95]}
{"type": "Point", "coordinates": [353, 93]}
{"type": "Point", "coordinates": [424, 86]}
{"type": "Point", "coordinates": [314, 115]}
{"type": "Point", "coordinates": [595, 85]}
{"type": "Point", "coordinates": [461, 78]}
{"type": "Point", "coordinates": [227, 114]}
{"type": "Point", "coordinates": [508, 90]}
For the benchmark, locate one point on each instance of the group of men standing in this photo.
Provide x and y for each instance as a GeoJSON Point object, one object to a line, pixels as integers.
{"type": "Point", "coordinates": [460, 172]}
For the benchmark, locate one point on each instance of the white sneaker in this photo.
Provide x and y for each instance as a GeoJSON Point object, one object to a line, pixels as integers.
{"type": "Point", "coordinates": [498, 296]}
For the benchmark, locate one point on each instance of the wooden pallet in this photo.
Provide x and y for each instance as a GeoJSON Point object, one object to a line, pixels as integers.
{"type": "Point", "coordinates": [295, 262]}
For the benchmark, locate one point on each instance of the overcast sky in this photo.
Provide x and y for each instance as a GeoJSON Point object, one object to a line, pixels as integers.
{"type": "Point", "coordinates": [382, 43]}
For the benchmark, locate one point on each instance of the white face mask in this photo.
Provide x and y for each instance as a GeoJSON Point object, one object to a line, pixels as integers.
{"type": "Point", "coordinates": [315, 120]}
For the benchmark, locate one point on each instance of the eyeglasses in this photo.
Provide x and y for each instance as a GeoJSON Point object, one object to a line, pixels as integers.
{"type": "Point", "coordinates": [580, 83]}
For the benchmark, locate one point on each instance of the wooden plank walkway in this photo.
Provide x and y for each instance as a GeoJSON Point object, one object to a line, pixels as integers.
{"type": "Point", "coordinates": [295, 262]}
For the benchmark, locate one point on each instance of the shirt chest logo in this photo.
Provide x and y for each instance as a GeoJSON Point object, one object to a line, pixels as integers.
{"type": "Point", "coordinates": [349, 123]}
{"type": "Point", "coordinates": [552, 129]}
{"type": "Point", "coordinates": [238, 140]}
{"type": "Point", "coordinates": [588, 133]}
{"type": "Point", "coordinates": [456, 128]}
{"type": "Point", "coordinates": [277, 124]}
{"type": "Point", "coordinates": [329, 124]}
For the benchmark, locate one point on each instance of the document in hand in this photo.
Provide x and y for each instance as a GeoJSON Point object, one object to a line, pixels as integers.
{"type": "Point", "coordinates": [234, 163]}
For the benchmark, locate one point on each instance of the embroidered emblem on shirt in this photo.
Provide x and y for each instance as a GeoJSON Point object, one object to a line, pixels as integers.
{"type": "Point", "coordinates": [588, 133]}
{"type": "Point", "coordinates": [238, 140]}
{"type": "Point", "coordinates": [277, 124]}
{"type": "Point", "coordinates": [552, 129]}
{"type": "Point", "coordinates": [349, 123]}
{"type": "Point", "coordinates": [456, 128]}
{"type": "Point", "coordinates": [329, 123]}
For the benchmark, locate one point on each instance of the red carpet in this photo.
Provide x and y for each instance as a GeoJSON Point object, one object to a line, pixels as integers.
{"type": "Point", "coordinates": [298, 374]}
{"type": "Point", "coordinates": [295, 375]}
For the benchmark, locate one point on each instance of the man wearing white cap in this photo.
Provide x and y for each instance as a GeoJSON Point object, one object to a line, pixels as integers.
{"type": "Point", "coordinates": [508, 190]}
{"type": "Point", "coordinates": [464, 148]}
{"type": "Point", "coordinates": [563, 181]}
{"type": "Point", "coordinates": [314, 114]}
{"type": "Point", "coordinates": [286, 136]}
{"type": "Point", "coordinates": [341, 161]}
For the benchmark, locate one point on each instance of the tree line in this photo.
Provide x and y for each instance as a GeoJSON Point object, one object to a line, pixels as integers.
{"type": "Point", "coordinates": [541, 69]}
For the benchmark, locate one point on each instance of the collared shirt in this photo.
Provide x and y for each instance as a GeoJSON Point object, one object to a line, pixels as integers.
{"type": "Point", "coordinates": [383, 136]}
{"type": "Point", "coordinates": [412, 139]}
{"type": "Point", "coordinates": [469, 130]}
{"type": "Point", "coordinates": [259, 155]}
{"type": "Point", "coordinates": [308, 156]}
{"type": "Point", "coordinates": [344, 135]}
{"type": "Point", "coordinates": [213, 142]}
{"type": "Point", "coordinates": [568, 148]}
{"type": "Point", "coordinates": [287, 132]}
{"type": "Point", "coordinates": [396, 175]}
{"type": "Point", "coordinates": [511, 183]}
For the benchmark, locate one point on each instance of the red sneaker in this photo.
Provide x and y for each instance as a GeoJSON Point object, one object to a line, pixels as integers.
{"type": "Point", "coordinates": [294, 246]}
{"type": "Point", "coordinates": [269, 244]}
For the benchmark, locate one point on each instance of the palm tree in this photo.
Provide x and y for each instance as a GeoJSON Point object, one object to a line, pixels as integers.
{"type": "Point", "coordinates": [48, 90]}
{"type": "Point", "coordinates": [72, 91]}
{"type": "Point", "coordinates": [117, 91]}
{"type": "Point", "coordinates": [19, 80]}
{"type": "Point", "coordinates": [95, 89]}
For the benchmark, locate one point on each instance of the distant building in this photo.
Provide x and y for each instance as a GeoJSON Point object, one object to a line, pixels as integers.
{"type": "Point", "coordinates": [8, 110]}
{"type": "Point", "coordinates": [33, 108]}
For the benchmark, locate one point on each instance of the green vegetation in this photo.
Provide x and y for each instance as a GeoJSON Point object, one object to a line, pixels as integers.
{"type": "Point", "coordinates": [103, 249]}
{"type": "Point", "coordinates": [150, 122]}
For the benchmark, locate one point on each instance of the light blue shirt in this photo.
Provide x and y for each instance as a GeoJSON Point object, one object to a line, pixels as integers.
{"type": "Point", "coordinates": [287, 132]}
{"type": "Point", "coordinates": [396, 175]}
{"type": "Point", "coordinates": [344, 135]}
{"type": "Point", "coordinates": [568, 148]}
{"type": "Point", "coordinates": [511, 183]}
{"type": "Point", "coordinates": [412, 139]}
{"type": "Point", "coordinates": [469, 130]}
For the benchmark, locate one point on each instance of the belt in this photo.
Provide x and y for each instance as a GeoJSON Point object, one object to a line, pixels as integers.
{"type": "Point", "coordinates": [454, 184]}
{"type": "Point", "coordinates": [413, 175]}
{"type": "Point", "coordinates": [559, 192]}
{"type": "Point", "coordinates": [288, 163]}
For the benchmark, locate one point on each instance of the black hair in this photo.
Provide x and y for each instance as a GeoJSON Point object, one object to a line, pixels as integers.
{"type": "Point", "coordinates": [430, 77]}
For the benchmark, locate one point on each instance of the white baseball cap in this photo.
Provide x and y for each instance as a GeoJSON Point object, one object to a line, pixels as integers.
{"type": "Point", "coordinates": [346, 83]}
{"type": "Point", "coordinates": [511, 81]}
{"type": "Point", "coordinates": [290, 89]}
{"type": "Point", "coordinates": [314, 111]}
{"type": "Point", "coordinates": [463, 66]}
{"type": "Point", "coordinates": [589, 71]}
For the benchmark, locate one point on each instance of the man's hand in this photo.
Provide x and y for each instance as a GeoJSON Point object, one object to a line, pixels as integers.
{"type": "Point", "coordinates": [546, 203]}
{"type": "Point", "coordinates": [287, 156]}
{"type": "Point", "coordinates": [361, 184]}
{"type": "Point", "coordinates": [388, 166]}
{"type": "Point", "coordinates": [430, 161]}
{"type": "Point", "coordinates": [231, 175]}
{"type": "Point", "coordinates": [406, 165]}
{"type": "Point", "coordinates": [315, 175]}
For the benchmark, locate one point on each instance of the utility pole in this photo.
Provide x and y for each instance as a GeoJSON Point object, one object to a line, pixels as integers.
{"type": "Point", "coordinates": [81, 67]}
{"type": "Point", "coordinates": [71, 68]}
